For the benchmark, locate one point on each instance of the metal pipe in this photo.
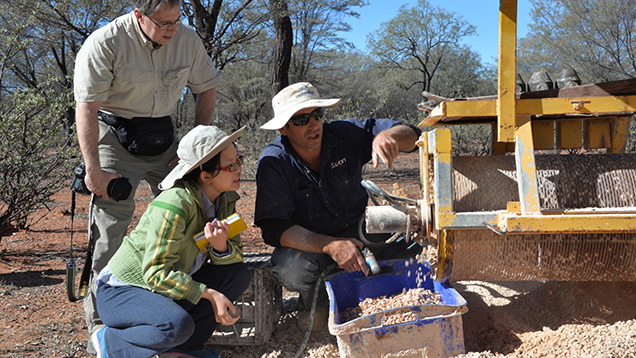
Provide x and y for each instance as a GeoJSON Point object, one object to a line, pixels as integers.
{"type": "Point", "coordinates": [386, 219]}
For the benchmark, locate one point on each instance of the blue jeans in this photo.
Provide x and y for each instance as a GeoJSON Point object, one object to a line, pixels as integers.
{"type": "Point", "coordinates": [140, 323]}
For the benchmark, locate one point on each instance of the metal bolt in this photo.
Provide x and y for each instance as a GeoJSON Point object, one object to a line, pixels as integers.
{"type": "Point", "coordinates": [578, 105]}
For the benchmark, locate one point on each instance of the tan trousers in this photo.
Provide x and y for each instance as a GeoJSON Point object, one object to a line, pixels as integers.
{"type": "Point", "coordinates": [108, 219]}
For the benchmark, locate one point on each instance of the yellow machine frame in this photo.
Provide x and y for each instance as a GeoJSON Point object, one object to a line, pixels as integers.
{"type": "Point", "coordinates": [526, 125]}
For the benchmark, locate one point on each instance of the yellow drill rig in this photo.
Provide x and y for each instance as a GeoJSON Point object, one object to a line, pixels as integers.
{"type": "Point", "coordinates": [522, 214]}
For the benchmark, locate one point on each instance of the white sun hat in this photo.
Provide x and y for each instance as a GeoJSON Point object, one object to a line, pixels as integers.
{"type": "Point", "coordinates": [196, 148]}
{"type": "Point", "coordinates": [292, 99]}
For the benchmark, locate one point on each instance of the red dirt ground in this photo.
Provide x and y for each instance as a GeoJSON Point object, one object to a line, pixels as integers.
{"type": "Point", "coordinates": [504, 319]}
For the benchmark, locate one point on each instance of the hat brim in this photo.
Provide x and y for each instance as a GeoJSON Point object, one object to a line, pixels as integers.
{"type": "Point", "coordinates": [182, 168]}
{"type": "Point", "coordinates": [281, 119]}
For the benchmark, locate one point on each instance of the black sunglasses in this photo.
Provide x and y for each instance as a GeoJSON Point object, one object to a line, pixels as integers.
{"type": "Point", "coordinates": [302, 119]}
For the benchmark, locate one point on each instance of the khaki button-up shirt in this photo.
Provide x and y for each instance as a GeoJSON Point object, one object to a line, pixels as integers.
{"type": "Point", "coordinates": [118, 65]}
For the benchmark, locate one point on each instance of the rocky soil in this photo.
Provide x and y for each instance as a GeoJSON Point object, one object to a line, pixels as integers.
{"type": "Point", "coordinates": [505, 319]}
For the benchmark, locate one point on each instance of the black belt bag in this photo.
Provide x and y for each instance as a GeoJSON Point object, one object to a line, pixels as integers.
{"type": "Point", "coordinates": [142, 136]}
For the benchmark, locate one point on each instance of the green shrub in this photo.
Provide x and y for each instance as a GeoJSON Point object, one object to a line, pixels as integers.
{"type": "Point", "coordinates": [34, 153]}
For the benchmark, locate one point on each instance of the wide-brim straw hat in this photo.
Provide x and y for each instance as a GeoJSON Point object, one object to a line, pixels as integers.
{"type": "Point", "coordinates": [196, 148]}
{"type": "Point", "coordinates": [292, 99]}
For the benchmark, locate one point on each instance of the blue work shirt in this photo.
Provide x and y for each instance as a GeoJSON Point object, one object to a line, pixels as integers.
{"type": "Point", "coordinates": [328, 202]}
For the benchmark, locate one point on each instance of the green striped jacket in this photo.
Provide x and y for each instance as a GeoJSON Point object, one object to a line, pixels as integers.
{"type": "Point", "coordinates": [159, 252]}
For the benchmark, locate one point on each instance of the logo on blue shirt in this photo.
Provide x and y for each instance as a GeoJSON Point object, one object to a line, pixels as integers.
{"type": "Point", "coordinates": [339, 163]}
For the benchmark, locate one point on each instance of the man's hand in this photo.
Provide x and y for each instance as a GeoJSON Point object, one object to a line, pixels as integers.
{"type": "Point", "coordinates": [390, 142]}
{"type": "Point", "coordinates": [346, 253]}
{"type": "Point", "coordinates": [384, 148]}
{"type": "Point", "coordinates": [97, 181]}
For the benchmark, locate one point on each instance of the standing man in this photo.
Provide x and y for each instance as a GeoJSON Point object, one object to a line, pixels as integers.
{"type": "Point", "coordinates": [310, 199]}
{"type": "Point", "coordinates": [129, 76]}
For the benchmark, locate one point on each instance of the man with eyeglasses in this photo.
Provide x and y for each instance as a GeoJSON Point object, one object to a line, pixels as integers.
{"type": "Point", "coordinates": [310, 199]}
{"type": "Point", "coordinates": [129, 76]}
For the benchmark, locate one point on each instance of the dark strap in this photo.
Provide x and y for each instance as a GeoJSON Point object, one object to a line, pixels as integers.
{"type": "Point", "coordinates": [71, 266]}
{"type": "Point", "coordinates": [112, 120]}
{"type": "Point", "coordinates": [117, 121]}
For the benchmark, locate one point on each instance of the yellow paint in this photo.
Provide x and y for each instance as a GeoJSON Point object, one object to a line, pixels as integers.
{"type": "Point", "coordinates": [597, 134]}
{"type": "Point", "coordinates": [444, 217]}
{"type": "Point", "coordinates": [442, 263]}
{"type": "Point", "coordinates": [506, 102]}
{"type": "Point", "coordinates": [445, 255]}
{"type": "Point", "coordinates": [620, 134]}
{"type": "Point", "coordinates": [442, 148]}
{"type": "Point", "coordinates": [498, 148]}
{"type": "Point", "coordinates": [437, 114]}
{"type": "Point", "coordinates": [462, 109]}
{"type": "Point", "coordinates": [548, 224]}
{"type": "Point", "coordinates": [514, 207]}
{"type": "Point", "coordinates": [528, 166]}
{"type": "Point", "coordinates": [596, 105]}
{"type": "Point", "coordinates": [422, 143]}
{"type": "Point", "coordinates": [569, 134]}
{"type": "Point", "coordinates": [487, 109]}
{"type": "Point", "coordinates": [443, 143]}
{"type": "Point", "coordinates": [543, 135]}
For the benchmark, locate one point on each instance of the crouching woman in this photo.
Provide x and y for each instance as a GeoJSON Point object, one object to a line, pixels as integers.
{"type": "Point", "coordinates": [161, 293]}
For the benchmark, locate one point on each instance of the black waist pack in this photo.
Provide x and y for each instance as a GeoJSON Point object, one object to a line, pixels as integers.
{"type": "Point", "coordinates": [142, 136]}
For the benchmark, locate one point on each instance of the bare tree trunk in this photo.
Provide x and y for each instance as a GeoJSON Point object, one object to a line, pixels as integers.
{"type": "Point", "coordinates": [282, 51]}
{"type": "Point", "coordinates": [204, 20]}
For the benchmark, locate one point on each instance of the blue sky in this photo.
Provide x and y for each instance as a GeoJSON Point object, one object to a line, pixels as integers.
{"type": "Point", "coordinates": [483, 14]}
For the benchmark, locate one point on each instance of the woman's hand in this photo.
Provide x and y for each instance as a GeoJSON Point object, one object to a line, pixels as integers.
{"type": "Point", "coordinates": [216, 233]}
{"type": "Point", "coordinates": [224, 310]}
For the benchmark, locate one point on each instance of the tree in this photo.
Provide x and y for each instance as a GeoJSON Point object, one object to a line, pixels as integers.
{"type": "Point", "coordinates": [246, 101]}
{"type": "Point", "coordinates": [34, 162]}
{"type": "Point", "coordinates": [226, 27]}
{"type": "Point", "coordinates": [316, 26]}
{"type": "Point", "coordinates": [281, 56]}
{"type": "Point", "coordinates": [8, 42]}
{"type": "Point", "coordinates": [55, 31]}
{"type": "Point", "coordinates": [244, 96]}
{"type": "Point", "coordinates": [419, 40]}
{"type": "Point", "coordinates": [597, 38]}
{"type": "Point", "coordinates": [461, 74]}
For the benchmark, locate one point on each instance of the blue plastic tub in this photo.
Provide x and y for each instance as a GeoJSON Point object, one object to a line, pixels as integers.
{"type": "Point", "coordinates": [437, 331]}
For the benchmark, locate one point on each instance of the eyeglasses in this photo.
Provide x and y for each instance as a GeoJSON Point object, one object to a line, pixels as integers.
{"type": "Point", "coordinates": [165, 25]}
{"type": "Point", "coordinates": [302, 119]}
{"type": "Point", "coordinates": [238, 163]}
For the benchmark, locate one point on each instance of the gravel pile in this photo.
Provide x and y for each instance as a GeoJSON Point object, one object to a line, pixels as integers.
{"type": "Point", "coordinates": [586, 340]}
{"type": "Point", "coordinates": [509, 319]}
{"type": "Point", "coordinates": [411, 297]}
